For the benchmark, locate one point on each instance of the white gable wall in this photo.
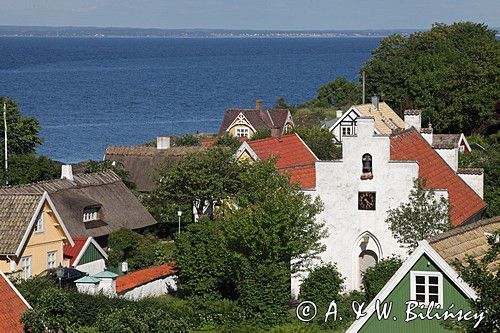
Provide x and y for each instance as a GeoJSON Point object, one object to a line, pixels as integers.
{"type": "Point", "coordinates": [338, 184]}
{"type": "Point", "coordinates": [450, 156]}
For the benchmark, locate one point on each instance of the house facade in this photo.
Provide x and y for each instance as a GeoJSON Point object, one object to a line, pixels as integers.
{"type": "Point", "coordinates": [376, 174]}
{"type": "Point", "coordinates": [86, 255]}
{"type": "Point", "coordinates": [244, 123]}
{"type": "Point", "coordinates": [424, 278]}
{"type": "Point", "coordinates": [33, 234]}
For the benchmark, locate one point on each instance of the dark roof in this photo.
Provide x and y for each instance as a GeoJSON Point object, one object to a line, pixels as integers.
{"type": "Point", "coordinates": [16, 212]}
{"type": "Point", "coordinates": [445, 141]}
{"type": "Point", "coordinates": [142, 162]}
{"type": "Point", "coordinates": [467, 240]}
{"type": "Point", "coordinates": [119, 207]}
{"type": "Point", "coordinates": [409, 145]}
{"type": "Point", "coordinates": [259, 119]}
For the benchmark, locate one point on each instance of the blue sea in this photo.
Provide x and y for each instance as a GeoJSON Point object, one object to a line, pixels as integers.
{"type": "Point", "coordinates": [89, 93]}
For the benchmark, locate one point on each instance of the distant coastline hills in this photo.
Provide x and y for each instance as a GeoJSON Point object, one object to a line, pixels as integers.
{"type": "Point", "coordinates": [97, 32]}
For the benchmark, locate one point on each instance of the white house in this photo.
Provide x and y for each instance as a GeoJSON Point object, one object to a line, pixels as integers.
{"type": "Point", "coordinates": [376, 174]}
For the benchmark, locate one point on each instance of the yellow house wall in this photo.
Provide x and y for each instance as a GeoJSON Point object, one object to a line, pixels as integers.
{"type": "Point", "coordinates": [232, 130]}
{"type": "Point", "coordinates": [51, 239]}
{"type": "Point", "coordinates": [245, 156]}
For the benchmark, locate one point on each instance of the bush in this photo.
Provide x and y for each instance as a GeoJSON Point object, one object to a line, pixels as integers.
{"type": "Point", "coordinates": [375, 277]}
{"type": "Point", "coordinates": [228, 141]}
{"type": "Point", "coordinates": [188, 140]}
{"type": "Point", "coordinates": [261, 134]}
{"type": "Point", "coordinates": [323, 285]}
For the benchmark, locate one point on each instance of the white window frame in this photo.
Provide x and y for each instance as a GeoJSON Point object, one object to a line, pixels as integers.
{"type": "Point", "coordinates": [51, 259]}
{"type": "Point", "coordinates": [242, 132]}
{"type": "Point", "coordinates": [26, 266]}
{"type": "Point", "coordinates": [39, 224]}
{"type": "Point", "coordinates": [345, 130]}
{"type": "Point", "coordinates": [90, 214]}
{"type": "Point", "coordinates": [426, 275]}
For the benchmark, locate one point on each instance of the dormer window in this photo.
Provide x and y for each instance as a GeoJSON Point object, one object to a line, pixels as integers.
{"type": "Point", "coordinates": [367, 167]}
{"type": "Point", "coordinates": [91, 214]}
{"type": "Point", "coordinates": [39, 225]}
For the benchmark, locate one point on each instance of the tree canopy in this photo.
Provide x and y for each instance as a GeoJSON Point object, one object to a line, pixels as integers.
{"type": "Point", "coordinates": [321, 141]}
{"type": "Point", "coordinates": [451, 72]}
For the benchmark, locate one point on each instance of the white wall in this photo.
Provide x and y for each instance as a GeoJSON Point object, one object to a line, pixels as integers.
{"type": "Point", "coordinates": [93, 267]}
{"type": "Point", "coordinates": [476, 182]}
{"type": "Point", "coordinates": [87, 288]}
{"type": "Point", "coordinates": [152, 289]}
{"type": "Point", "coordinates": [338, 184]}
{"type": "Point", "coordinates": [450, 156]}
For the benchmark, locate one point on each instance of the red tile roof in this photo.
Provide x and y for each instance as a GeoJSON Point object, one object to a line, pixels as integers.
{"type": "Point", "coordinates": [138, 278]}
{"type": "Point", "coordinates": [409, 145]}
{"type": "Point", "coordinates": [293, 156]}
{"type": "Point", "coordinates": [73, 251]}
{"type": "Point", "coordinates": [12, 306]}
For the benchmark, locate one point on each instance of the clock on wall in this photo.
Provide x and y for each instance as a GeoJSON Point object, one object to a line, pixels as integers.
{"type": "Point", "coordinates": [366, 200]}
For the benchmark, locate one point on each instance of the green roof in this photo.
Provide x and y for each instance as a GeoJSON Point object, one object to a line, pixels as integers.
{"type": "Point", "coordinates": [106, 274]}
{"type": "Point", "coordinates": [87, 279]}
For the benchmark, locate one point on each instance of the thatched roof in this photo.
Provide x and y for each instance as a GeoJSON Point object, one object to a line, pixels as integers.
{"type": "Point", "coordinates": [119, 207]}
{"type": "Point", "coordinates": [142, 162]}
{"type": "Point", "coordinates": [467, 240]}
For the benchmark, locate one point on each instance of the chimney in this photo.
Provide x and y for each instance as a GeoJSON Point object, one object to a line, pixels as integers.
{"type": "Point", "coordinates": [339, 113]}
{"type": "Point", "coordinates": [162, 142]}
{"type": "Point", "coordinates": [366, 127]}
{"type": "Point", "coordinates": [413, 118]}
{"type": "Point", "coordinates": [258, 104]}
{"type": "Point", "coordinates": [427, 134]}
{"type": "Point", "coordinates": [375, 102]}
{"type": "Point", "coordinates": [67, 172]}
{"type": "Point", "coordinates": [275, 132]}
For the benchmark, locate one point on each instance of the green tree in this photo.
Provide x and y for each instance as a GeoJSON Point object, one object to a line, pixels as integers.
{"type": "Point", "coordinates": [423, 216]}
{"type": "Point", "coordinates": [228, 141]}
{"type": "Point", "coordinates": [251, 248]}
{"type": "Point", "coordinates": [116, 167]}
{"type": "Point", "coordinates": [323, 285]}
{"type": "Point", "coordinates": [341, 93]}
{"type": "Point", "coordinates": [29, 168]}
{"type": "Point", "coordinates": [321, 141]}
{"type": "Point", "coordinates": [261, 134]}
{"type": "Point", "coordinates": [199, 180]}
{"type": "Point", "coordinates": [451, 72]}
{"type": "Point", "coordinates": [375, 277]}
{"type": "Point", "coordinates": [188, 140]}
{"type": "Point", "coordinates": [482, 275]}
{"type": "Point", "coordinates": [281, 103]}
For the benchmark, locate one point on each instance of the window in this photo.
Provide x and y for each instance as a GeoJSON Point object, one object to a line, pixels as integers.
{"type": "Point", "coordinates": [288, 128]}
{"type": "Point", "coordinates": [242, 132]}
{"type": "Point", "coordinates": [39, 223]}
{"type": "Point", "coordinates": [91, 214]}
{"type": "Point", "coordinates": [427, 287]}
{"type": "Point", "coordinates": [26, 266]}
{"type": "Point", "coordinates": [367, 163]}
{"type": "Point", "coordinates": [346, 131]}
{"type": "Point", "coordinates": [51, 259]}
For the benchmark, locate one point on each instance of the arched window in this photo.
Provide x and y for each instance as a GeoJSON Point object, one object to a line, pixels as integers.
{"type": "Point", "coordinates": [367, 163]}
{"type": "Point", "coordinates": [367, 258]}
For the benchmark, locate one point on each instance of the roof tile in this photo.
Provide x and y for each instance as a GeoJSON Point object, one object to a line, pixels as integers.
{"type": "Point", "coordinates": [11, 308]}
{"type": "Point", "coordinates": [138, 278]}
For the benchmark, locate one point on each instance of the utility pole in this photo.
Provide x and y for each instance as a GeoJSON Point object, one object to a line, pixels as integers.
{"type": "Point", "coordinates": [5, 141]}
{"type": "Point", "coordinates": [363, 87]}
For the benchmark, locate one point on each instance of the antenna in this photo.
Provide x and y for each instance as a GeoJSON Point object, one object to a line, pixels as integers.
{"type": "Point", "coordinates": [5, 141]}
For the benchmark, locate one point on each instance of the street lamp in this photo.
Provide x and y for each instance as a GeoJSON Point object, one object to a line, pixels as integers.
{"type": "Point", "coordinates": [60, 273]}
{"type": "Point", "coordinates": [179, 214]}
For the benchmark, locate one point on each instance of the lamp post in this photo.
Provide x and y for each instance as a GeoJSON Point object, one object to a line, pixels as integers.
{"type": "Point", "coordinates": [179, 214]}
{"type": "Point", "coordinates": [60, 273]}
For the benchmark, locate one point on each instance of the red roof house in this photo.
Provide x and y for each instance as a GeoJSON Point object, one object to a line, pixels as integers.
{"type": "Point", "coordinates": [409, 145]}
{"type": "Point", "coordinates": [293, 157]}
{"type": "Point", "coordinates": [12, 306]}
{"type": "Point", "coordinates": [85, 251]}
{"type": "Point", "coordinates": [138, 278]}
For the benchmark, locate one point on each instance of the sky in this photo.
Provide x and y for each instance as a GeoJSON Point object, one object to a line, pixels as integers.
{"type": "Point", "coordinates": [246, 14]}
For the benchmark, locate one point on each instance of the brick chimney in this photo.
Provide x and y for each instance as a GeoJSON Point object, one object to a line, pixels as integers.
{"type": "Point", "coordinates": [413, 118]}
{"type": "Point", "coordinates": [258, 104]}
{"type": "Point", "coordinates": [339, 113]}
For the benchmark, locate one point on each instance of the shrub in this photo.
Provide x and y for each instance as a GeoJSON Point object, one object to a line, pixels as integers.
{"type": "Point", "coordinates": [188, 140]}
{"type": "Point", "coordinates": [375, 277]}
{"type": "Point", "coordinates": [323, 285]}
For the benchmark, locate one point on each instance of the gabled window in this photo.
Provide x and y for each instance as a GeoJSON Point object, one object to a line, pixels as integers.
{"type": "Point", "coordinates": [426, 287]}
{"type": "Point", "coordinates": [91, 214]}
{"type": "Point", "coordinates": [39, 224]}
{"type": "Point", "coordinates": [242, 132]}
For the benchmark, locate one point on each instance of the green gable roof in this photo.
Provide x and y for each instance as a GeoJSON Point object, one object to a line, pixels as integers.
{"type": "Point", "coordinates": [106, 274]}
{"type": "Point", "coordinates": [87, 279]}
